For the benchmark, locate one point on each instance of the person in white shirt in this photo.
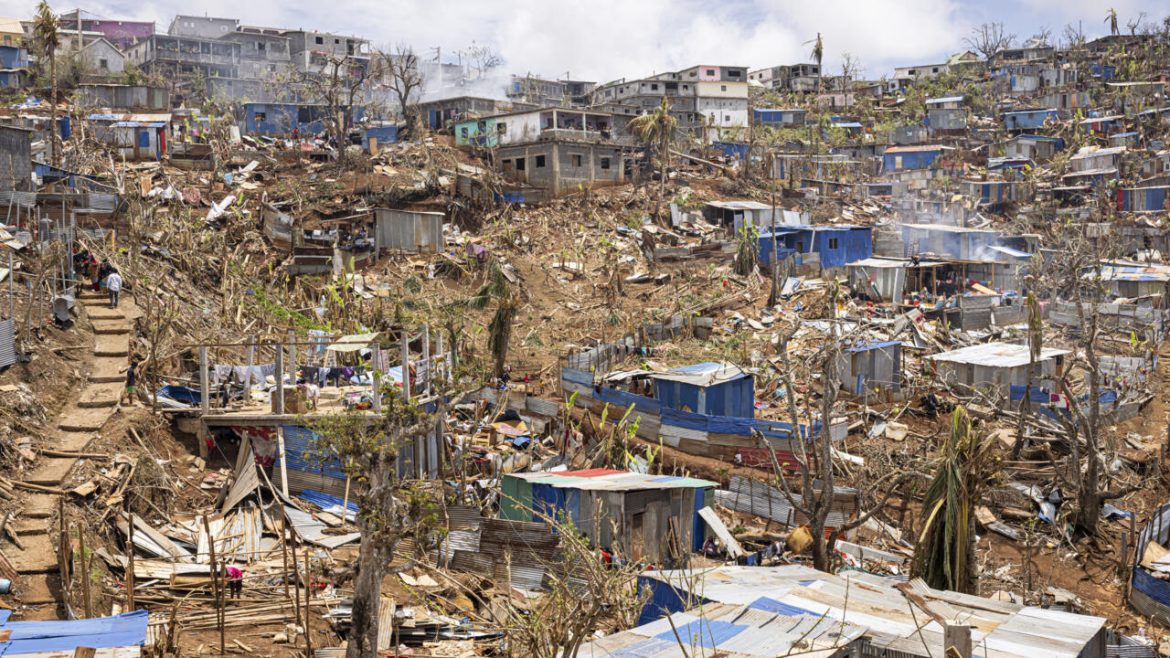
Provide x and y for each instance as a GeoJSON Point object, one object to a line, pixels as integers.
{"type": "Point", "coordinates": [114, 286]}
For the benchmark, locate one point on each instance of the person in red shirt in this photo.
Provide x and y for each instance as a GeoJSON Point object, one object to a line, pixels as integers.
{"type": "Point", "coordinates": [235, 579]}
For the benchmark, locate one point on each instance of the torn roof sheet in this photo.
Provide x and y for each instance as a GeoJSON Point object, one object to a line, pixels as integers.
{"type": "Point", "coordinates": [703, 374]}
{"type": "Point", "coordinates": [995, 355]}
{"type": "Point", "coordinates": [892, 618]}
{"type": "Point", "coordinates": [609, 480]}
{"type": "Point", "coordinates": [728, 630]}
{"type": "Point", "coordinates": [1144, 272]}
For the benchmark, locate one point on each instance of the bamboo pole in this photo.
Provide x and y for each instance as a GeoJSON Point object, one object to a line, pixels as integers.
{"type": "Point", "coordinates": [85, 595]}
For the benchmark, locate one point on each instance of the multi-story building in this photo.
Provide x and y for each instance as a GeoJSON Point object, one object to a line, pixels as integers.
{"type": "Point", "coordinates": [122, 34]}
{"type": "Point", "coordinates": [311, 51]}
{"type": "Point", "coordinates": [794, 77]}
{"type": "Point", "coordinates": [263, 53]}
{"type": "Point", "coordinates": [708, 101]}
{"type": "Point", "coordinates": [186, 56]}
{"type": "Point", "coordinates": [537, 91]}
{"type": "Point", "coordinates": [202, 27]}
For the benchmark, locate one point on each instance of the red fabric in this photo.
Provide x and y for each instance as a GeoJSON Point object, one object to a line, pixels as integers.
{"type": "Point", "coordinates": [589, 473]}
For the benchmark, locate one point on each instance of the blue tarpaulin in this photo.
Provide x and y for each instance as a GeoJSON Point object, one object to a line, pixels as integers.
{"type": "Point", "coordinates": [325, 501]}
{"type": "Point", "coordinates": [124, 630]}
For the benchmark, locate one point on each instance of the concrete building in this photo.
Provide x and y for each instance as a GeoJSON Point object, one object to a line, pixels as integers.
{"type": "Point", "coordinates": [709, 101]}
{"type": "Point", "coordinates": [122, 34]}
{"type": "Point", "coordinates": [543, 124]}
{"type": "Point", "coordinates": [794, 77]}
{"type": "Point", "coordinates": [262, 54]}
{"type": "Point", "coordinates": [186, 56]}
{"type": "Point", "coordinates": [557, 166]}
{"type": "Point", "coordinates": [311, 51]}
{"type": "Point", "coordinates": [441, 113]}
{"type": "Point", "coordinates": [202, 27]}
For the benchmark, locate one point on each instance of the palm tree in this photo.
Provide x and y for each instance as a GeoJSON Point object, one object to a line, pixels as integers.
{"type": "Point", "coordinates": [945, 551]}
{"type": "Point", "coordinates": [498, 290]}
{"type": "Point", "coordinates": [656, 130]}
{"type": "Point", "coordinates": [1111, 18]}
{"type": "Point", "coordinates": [47, 39]}
{"type": "Point", "coordinates": [818, 54]}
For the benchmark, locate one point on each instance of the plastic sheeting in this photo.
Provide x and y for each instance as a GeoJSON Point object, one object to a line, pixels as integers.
{"type": "Point", "coordinates": [128, 629]}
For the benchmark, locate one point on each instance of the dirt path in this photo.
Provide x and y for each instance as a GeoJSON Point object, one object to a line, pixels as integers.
{"type": "Point", "coordinates": [39, 525]}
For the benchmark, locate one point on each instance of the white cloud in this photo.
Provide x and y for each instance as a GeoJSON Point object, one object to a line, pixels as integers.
{"type": "Point", "coordinates": [607, 39]}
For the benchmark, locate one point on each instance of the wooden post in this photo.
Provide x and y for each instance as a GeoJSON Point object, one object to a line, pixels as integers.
{"type": "Point", "coordinates": [204, 401]}
{"type": "Point", "coordinates": [426, 355]}
{"type": "Point", "coordinates": [130, 570]}
{"type": "Point", "coordinates": [405, 364]}
{"type": "Point", "coordinates": [442, 356]}
{"type": "Point", "coordinates": [280, 412]}
{"type": "Point", "coordinates": [308, 595]}
{"type": "Point", "coordinates": [216, 590]}
{"type": "Point", "coordinates": [284, 546]}
{"type": "Point", "coordinates": [290, 549]}
{"type": "Point", "coordinates": [85, 595]}
{"type": "Point", "coordinates": [204, 382]}
{"type": "Point", "coordinates": [957, 641]}
{"type": "Point", "coordinates": [248, 372]}
{"type": "Point", "coordinates": [292, 355]}
{"type": "Point", "coordinates": [376, 378]}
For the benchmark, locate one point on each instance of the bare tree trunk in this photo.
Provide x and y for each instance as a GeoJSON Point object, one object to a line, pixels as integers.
{"type": "Point", "coordinates": [54, 156]}
{"type": "Point", "coordinates": [367, 591]}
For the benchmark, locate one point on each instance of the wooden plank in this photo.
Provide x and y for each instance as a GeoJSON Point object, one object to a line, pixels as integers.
{"type": "Point", "coordinates": [720, 529]}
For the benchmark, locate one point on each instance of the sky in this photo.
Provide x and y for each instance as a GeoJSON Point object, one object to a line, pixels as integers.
{"type": "Point", "coordinates": [603, 40]}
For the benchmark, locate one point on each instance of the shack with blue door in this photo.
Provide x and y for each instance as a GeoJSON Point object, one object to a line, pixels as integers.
{"type": "Point", "coordinates": [712, 388]}
{"type": "Point", "coordinates": [135, 137]}
{"type": "Point", "coordinates": [377, 134]}
{"type": "Point", "coordinates": [638, 516]}
{"type": "Point", "coordinates": [834, 246]}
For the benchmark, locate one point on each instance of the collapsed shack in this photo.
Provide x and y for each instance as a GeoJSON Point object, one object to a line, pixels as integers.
{"type": "Point", "coordinates": [1149, 591]}
{"type": "Point", "coordinates": [900, 618]}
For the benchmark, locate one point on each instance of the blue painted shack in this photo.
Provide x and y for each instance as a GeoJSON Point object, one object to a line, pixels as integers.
{"type": "Point", "coordinates": [731, 149]}
{"type": "Point", "coordinates": [377, 134]}
{"type": "Point", "coordinates": [1029, 119]}
{"type": "Point", "coordinates": [778, 117]}
{"type": "Point", "coordinates": [835, 246]}
{"type": "Point", "coordinates": [13, 67]}
{"type": "Point", "coordinates": [1143, 199]}
{"type": "Point", "coordinates": [902, 158]}
{"type": "Point", "coordinates": [284, 118]}
{"type": "Point", "coordinates": [712, 388]}
{"type": "Point", "coordinates": [632, 514]}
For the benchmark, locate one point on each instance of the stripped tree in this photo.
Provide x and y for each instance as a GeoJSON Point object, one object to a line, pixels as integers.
{"type": "Point", "coordinates": [944, 555]}
{"type": "Point", "coordinates": [48, 39]}
{"type": "Point", "coordinates": [390, 509]}
{"type": "Point", "coordinates": [656, 129]}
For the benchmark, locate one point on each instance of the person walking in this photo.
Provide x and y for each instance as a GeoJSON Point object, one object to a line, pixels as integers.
{"type": "Point", "coordinates": [114, 286]}
{"type": "Point", "coordinates": [131, 381]}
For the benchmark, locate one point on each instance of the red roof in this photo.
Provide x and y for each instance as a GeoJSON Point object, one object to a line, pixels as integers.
{"type": "Point", "coordinates": [590, 473]}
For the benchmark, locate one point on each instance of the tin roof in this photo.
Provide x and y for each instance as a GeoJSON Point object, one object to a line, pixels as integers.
{"type": "Point", "coordinates": [703, 374]}
{"type": "Point", "coordinates": [898, 616]}
{"type": "Point", "coordinates": [1120, 271]}
{"type": "Point", "coordinates": [729, 631]}
{"type": "Point", "coordinates": [606, 480]}
{"type": "Point", "coordinates": [995, 355]}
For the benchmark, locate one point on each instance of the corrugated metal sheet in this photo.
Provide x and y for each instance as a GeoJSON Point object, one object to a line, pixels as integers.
{"type": "Point", "coordinates": [7, 343]}
{"type": "Point", "coordinates": [757, 498]}
{"type": "Point", "coordinates": [408, 231]}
